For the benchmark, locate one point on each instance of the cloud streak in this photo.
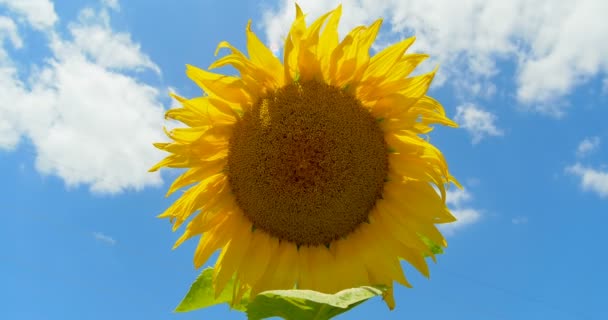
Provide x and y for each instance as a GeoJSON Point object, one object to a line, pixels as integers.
{"type": "Point", "coordinates": [101, 237]}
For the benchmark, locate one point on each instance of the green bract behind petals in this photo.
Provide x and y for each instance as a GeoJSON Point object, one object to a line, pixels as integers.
{"type": "Point", "coordinates": [307, 304]}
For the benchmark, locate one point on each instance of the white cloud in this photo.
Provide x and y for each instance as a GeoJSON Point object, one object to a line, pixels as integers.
{"type": "Point", "coordinates": [550, 41]}
{"type": "Point", "coordinates": [477, 122]}
{"type": "Point", "coordinates": [94, 37]}
{"type": "Point", "coordinates": [591, 179]}
{"type": "Point", "coordinates": [10, 89]}
{"type": "Point", "coordinates": [587, 146]}
{"type": "Point", "coordinates": [458, 197]}
{"type": "Point", "coordinates": [89, 122]}
{"type": "Point", "coordinates": [564, 52]}
{"type": "Point", "coordinates": [99, 236]}
{"type": "Point", "coordinates": [8, 29]}
{"type": "Point", "coordinates": [112, 4]}
{"type": "Point", "coordinates": [9, 136]}
{"type": "Point", "coordinates": [520, 220]}
{"type": "Point", "coordinates": [457, 202]}
{"type": "Point", "coordinates": [39, 13]}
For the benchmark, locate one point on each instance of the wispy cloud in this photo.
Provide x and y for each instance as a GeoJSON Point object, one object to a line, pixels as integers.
{"type": "Point", "coordinates": [520, 220]}
{"type": "Point", "coordinates": [478, 122]}
{"type": "Point", "coordinates": [587, 146]}
{"type": "Point", "coordinates": [101, 237]}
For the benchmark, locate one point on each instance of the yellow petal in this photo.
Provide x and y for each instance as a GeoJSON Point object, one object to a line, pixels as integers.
{"type": "Point", "coordinates": [389, 298]}
{"type": "Point", "coordinates": [416, 169]}
{"type": "Point", "coordinates": [215, 239]}
{"type": "Point", "coordinates": [203, 222]}
{"type": "Point", "coordinates": [323, 270]}
{"type": "Point", "coordinates": [406, 65]}
{"type": "Point", "coordinates": [416, 87]}
{"type": "Point", "coordinates": [261, 247]}
{"type": "Point", "coordinates": [232, 254]}
{"type": "Point", "coordinates": [392, 228]}
{"type": "Point", "coordinates": [411, 89]}
{"type": "Point", "coordinates": [405, 143]}
{"type": "Point", "coordinates": [201, 196]}
{"type": "Point", "coordinates": [407, 232]}
{"type": "Point", "coordinates": [203, 111]}
{"type": "Point", "coordinates": [382, 63]}
{"type": "Point", "coordinates": [350, 274]}
{"type": "Point", "coordinates": [173, 161]}
{"type": "Point", "coordinates": [186, 135]}
{"type": "Point", "coordinates": [309, 65]}
{"type": "Point", "coordinates": [292, 46]}
{"type": "Point", "coordinates": [417, 199]}
{"type": "Point", "coordinates": [196, 174]}
{"type": "Point", "coordinates": [227, 88]}
{"type": "Point", "coordinates": [381, 260]}
{"type": "Point", "coordinates": [268, 280]}
{"type": "Point", "coordinates": [415, 258]}
{"type": "Point", "coordinates": [402, 246]}
{"type": "Point", "coordinates": [328, 41]}
{"type": "Point", "coordinates": [341, 63]}
{"type": "Point", "coordinates": [351, 57]}
{"type": "Point", "coordinates": [264, 58]}
{"type": "Point", "coordinates": [282, 271]}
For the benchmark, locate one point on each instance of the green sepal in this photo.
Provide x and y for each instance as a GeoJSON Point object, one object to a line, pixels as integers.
{"type": "Point", "coordinates": [433, 247]}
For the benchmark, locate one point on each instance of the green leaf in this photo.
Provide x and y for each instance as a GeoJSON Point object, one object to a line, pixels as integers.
{"type": "Point", "coordinates": [307, 304]}
{"type": "Point", "coordinates": [201, 294]}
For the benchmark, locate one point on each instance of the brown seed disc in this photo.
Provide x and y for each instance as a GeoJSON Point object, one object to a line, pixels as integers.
{"type": "Point", "coordinates": [307, 163]}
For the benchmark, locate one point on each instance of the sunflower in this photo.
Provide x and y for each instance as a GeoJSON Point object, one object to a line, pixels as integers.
{"type": "Point", "coordinates": [312, 173]}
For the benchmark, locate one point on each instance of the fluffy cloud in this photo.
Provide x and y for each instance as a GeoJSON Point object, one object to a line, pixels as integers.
{"type": "Point", "coordinates": [587, 146]}
{"type": "Point", "coordinates": [591, 179]}
{"type": "Point", "coordinates": [477, 122]}
{"type": "Point", "coordinates": [8, 30]}
{"type": "Point", "coordinates": [90, 122]}
{"type": "Point", "coordinates": [112, 4]}
{"type": "Point", "coordinates": [93, 37]}
{"type": "Point", "coordinates": [550, 41]}
{"type": "Point", "coordinates": [40, 14]}
{"type": "Point", "coordinates": [457, 201]}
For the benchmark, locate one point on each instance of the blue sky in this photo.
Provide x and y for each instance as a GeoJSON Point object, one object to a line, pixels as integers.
{"type": "Point", "coordinates": [84, 85]}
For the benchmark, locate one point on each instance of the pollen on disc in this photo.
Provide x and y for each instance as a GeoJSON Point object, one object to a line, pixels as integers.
{"type": "Point", "coordinates": [307, 163]}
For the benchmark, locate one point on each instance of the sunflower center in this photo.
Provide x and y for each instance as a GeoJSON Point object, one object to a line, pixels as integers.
{"type": "Point", "coordinates": [307, 163]}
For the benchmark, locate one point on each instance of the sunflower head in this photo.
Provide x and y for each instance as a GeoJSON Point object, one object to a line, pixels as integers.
{"type": "Point", "coordinates": [310, 173]}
